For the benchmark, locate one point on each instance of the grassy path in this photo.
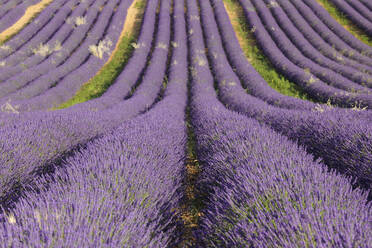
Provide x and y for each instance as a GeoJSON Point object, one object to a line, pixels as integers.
{"type": "Point", "coordinates": [30, 13]}
{"type": "Point", "coordinates": [345, 22]}
{"type": "Point", "coordinates": [256, 57]}
{"type": "Point", "coordinates": [106, 76]}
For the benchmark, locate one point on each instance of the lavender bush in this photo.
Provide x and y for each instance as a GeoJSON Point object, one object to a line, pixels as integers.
{"type": "Point", "coordinates": [357, 14]}
{"type": "Point", "coordinates": [259, 194]}
{"type": "Point", "coordinates": [336, 136]}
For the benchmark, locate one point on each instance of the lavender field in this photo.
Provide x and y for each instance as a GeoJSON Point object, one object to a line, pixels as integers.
{"type": "Point", "coordinates": [186, 123]}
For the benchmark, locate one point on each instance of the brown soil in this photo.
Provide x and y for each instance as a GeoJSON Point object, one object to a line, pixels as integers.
{"type": "Point", "coordinates": [128, 28]}
{"type": "Point", "coordinates": [30, 14]}
{"type": "Point", "coordinates": [349, 27]}
{"type": "Point", "coordinates": [190, 211]}
{"type": "Point", "coordinates": [234, 18]}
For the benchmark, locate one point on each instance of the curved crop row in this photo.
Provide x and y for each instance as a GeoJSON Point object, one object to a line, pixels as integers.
{"type": "Point", "coordinates": [257, 194]}
{"type": "Point", "coordinates": [61, 84]}
{"type": "Point", "coordinates": [356, 72]}
{"type": "Point", "coordinates": [362, 9]}
{"type": "Point", "coordinates": [331, 30]}
{"type": "Point", "coordinates": [367, 4]}
{"type": "Point", "coordinates": [40, 31]}
{"type": "Point", "coordinates": [306, 75]}
{"type": "Point", "coordinates": [123, 51]}
{"type": "Point", "coordinates": [310, 33]}
{"type": "Point", "coordinates": [250, 79]}
{"type": "Point", "coordinates": [338, 16]}
{"type": "Point", "coordinates": [144, 155]}
{"type": "Point", "coordinates": [300, 52]}
{"type": "Point", "coordinates": [114, 171]}
{"type": "Point", "coordinates": [8, 5]}
{"type": "Point", "coordinates": [14, 13]}
{"type": "Point", "coordinates": [336, 136]}
{"type": "Point", "coordinates": [38, 140]}
{"type": "Point", "coordinates": [255, 55]}
{"type": "Point", "coordinates": [77, 69]}
{"type": "Point", "coordinates": [134, 178]}
{"type": "Point", "coordinates": [67, 36]}
{"type": "Point", "coordinates": [357, 14]}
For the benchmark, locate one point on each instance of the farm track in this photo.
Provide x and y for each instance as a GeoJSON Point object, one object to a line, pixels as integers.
{"type": "Point", "coordinates": [255, 56]}
{"type": "Point", "coordinates": [332, 32]}
{"type": "Point", "coordinates": [91, 127]}
{"type": "Point", "coordinates": [106, 76]}
{"type": "Point", "coordinates": [287, 121]}
{"type": "Point", "coordinates": [315, 80]}
{"type": "Point", "coordinates": [41, 31]}
{"type": "Point", "coordinates": [189, 146]}
{"type": "Point", "coordinates": [226, 221]}
{"type": "Point", "coordinates": [17, 16]}
{"type": "Point", "coordinates": [64, 34]}
{"type": "Point", "coordinates": [357, 12]}
{"type": "Point", "coordinates": [313, 36]}
{"type": "Point", "coordinates": [68, 62]}
{"type": "Point", "coordinates": [345, 22]}
{"type": "Point", "coordinates": [173, 97]}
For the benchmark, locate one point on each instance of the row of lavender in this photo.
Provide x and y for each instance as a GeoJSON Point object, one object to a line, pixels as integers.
{"type": "Point", "coordinates": [70, 49]}
{"type": "Point", "coordinates": [342, 80]}
{"type": "Point", "coordinates": [42, 137]}
{"type": "Point", "coordinates": [11, 11]}
{"type": "Point", "coordinates": [134, 199]}
{"type": "Point", "coordinates": [260, 188]}
{"type": "Point", "coordinates": [305, 126]}
{"type": "Point", "coordinates": [359, 12]}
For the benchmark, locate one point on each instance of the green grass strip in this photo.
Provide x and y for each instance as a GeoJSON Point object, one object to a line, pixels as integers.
{"type": "Point", "coordinates": [345, 22]}
{"type": "Point", "coordinates": [98, 84]}
{"type": "Point", "coordinates": [256, 57]}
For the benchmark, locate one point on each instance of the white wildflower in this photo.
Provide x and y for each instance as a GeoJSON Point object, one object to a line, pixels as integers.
{"type": "Point", "coordinates": [358, 107]}
{"type": "Point", "coordinates": [37, 216]}
{"type": "Point", "coordinates": [312, 79]}
{"type": "Point", "coordinates": [136, 45]}
{"type": "Point", "coordinates": [102, 47]}
{"type": "Point", "coordinates": [58, 215]}
{"type": "Point", "coordinates": [201, 61]}
{"type": "Point", "coordinates": [194, 17]}
{"type": "Point", "coordinates": [273, 4]}
{"type": "Point", "coordinates": [319, 108]}
{"type": "Point", "coordinates": [80, 20]}
{"type": "Point", "coordinates": [323, 107]}
{"type": "Point", "coordinates": [5, 47]}
{"type": "Point", "coordinates": [8, 107]}
{"type": "Point", "coordinates": [329, 103]}
{"type": "Point", "coordinates": [162, 46]}
{"type": "Point", "coordinates": [11, 219]}
{"type": "Point", "coordinates": [42, 50]}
